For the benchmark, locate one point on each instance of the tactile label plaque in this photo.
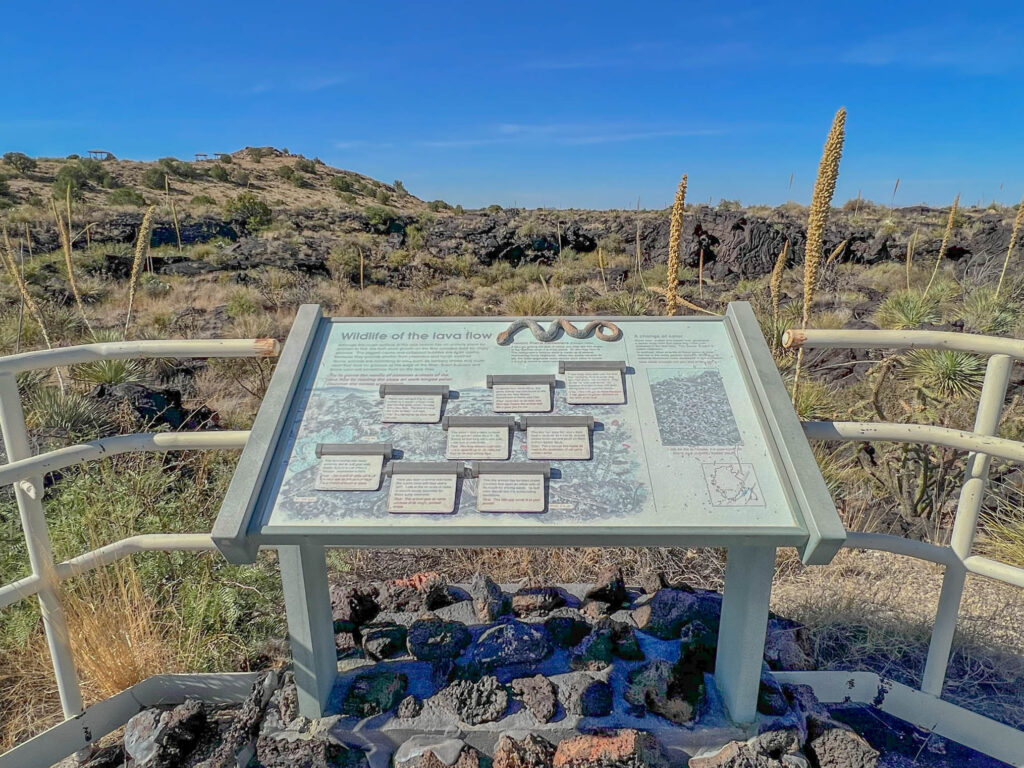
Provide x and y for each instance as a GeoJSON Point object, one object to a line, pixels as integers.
{"type": "Point", "coordinates": [594, 387]}
{"type": "Point", "coordinates": [522, 398]}
{"type": "Point", "coordinates": [510, 493]}
{"type": "Point", "coordinates": [429, 494]}
{"type": "Point", "coordinates": [415, 409]}
{"type": "Point", "coordinates": [477, 443]}
{"type": "Point", "coordinates": [349, 472]}
{"type": "Point", "coordinates": [558, 443]}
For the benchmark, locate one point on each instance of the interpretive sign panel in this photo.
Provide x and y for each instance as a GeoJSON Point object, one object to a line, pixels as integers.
{"type": "Point", "coordinates": [679, 437]}
{"type": "Point", "coordinates": [417, 432]}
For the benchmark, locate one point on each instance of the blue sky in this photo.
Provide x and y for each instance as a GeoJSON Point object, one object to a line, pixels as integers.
{"type": "Point", "coordinates": [587, 104]}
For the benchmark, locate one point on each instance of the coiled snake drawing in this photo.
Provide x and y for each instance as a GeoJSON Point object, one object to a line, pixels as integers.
{"type": "Point", "coordinates": [605, 330]}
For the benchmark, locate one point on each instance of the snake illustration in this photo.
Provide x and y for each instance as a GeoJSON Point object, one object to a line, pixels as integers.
{"type": "Point", "coordinates": [606, 331]}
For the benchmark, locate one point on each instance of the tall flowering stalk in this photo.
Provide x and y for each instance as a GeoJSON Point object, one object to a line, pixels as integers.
{"type": "Point", "coordinates": [821, 206]}
{"type": "Point", "coordinates": [775, 287]}
{"type": "Point", "coordinates": [1013, 243]}
{"type": "Point", "coordinates": [945, 244]}
{"type": "Point", "coordinates": [141, 248]}
{"type": "Point", "coordinates": [674, 245]}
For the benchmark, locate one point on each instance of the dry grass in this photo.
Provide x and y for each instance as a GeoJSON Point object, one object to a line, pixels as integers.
{"type": "Point", "coordinates": [119, 637]}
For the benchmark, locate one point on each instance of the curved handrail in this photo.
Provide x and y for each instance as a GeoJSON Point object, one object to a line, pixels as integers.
{"type": "Point", "coordinates": [892, 432]}
{"type": "Point", "coordinates": [121, 350]}
{"type": "Point", "coordinates": [36, 466]}
{"type": "Point", "coordinates": [870, 339]}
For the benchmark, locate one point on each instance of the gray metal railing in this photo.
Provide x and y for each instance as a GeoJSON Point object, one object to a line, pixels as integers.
{"type": "Point", "coordinates": [25, 472]}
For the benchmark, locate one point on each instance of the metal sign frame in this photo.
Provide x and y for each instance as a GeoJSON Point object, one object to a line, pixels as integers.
{"type": "Point", "coordinates": [818, 532]}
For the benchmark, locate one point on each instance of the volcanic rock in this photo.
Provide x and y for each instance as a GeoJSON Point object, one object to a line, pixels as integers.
{"type": "Point", "coordinates": [538, 696]}
{"type": "Point", "coordinates": [374, 692]}
{"type": "Point", "coordinates": [531, 751]}
{"type": "Point", "coordinates": [475, 702]}
{"type": "Point", "coordinates": [621, 749]}
{"type": "Point", "coordinates": [432, 639]}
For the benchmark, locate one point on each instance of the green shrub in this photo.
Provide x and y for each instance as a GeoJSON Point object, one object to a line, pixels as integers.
{"type": "Point", "coordinates": [176, 167]}
{"type": "Point", "coordinates": [126, 196]}
{"type": "Point", "coordinates": [256, 154]}
{"type": "Point", "coordinates": [20, 162]}
{"type": "Point", "coordinates": [399, 259]}
{"type": "Point", "coordinates": [302, 165]}
{"type": "Point", "coordinates": [459, 209]}
{"type": "Point", "coordinates": [494, 208]}
{"type": "Point", "coordinates": [250, 209]}
{"type": "Point", "coordinates": [438, 205]}
{"type": "Point", "coordinates": [219, 173]}
{"type": "Point", "coordinates": [285, 172]}
{"type": "Point", "coordinates": [226, 159]}
{"type": "Point", "coordinates": [79, 175]}
{"type": "Point", "coordinates": [242, 303]}
{"type": "Point", "coordinates": [155, 177]}
{"type": "Point", "coordinates": [203, 200]}
{"type": "Point", "coordinates": [240, 177]}
{"type": "Point", "coordinates": [5, 189]}
{"type": "Point", "coordinates": [984, 312]}
{"type": "Point", "coordinates": [342, 185]}
{"type": "Point", "coordinates": [400, 187]}
{"type": "Point", "coordinates": [380, 218]}
{"type": "Point", "coordinates": [383, 196]}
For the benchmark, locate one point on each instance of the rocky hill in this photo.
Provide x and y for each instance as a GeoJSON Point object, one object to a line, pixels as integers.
{"type": "Point", "coordinates": [316, 209]}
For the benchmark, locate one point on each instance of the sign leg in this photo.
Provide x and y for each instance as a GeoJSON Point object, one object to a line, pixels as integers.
{"type": "Point", "coordinates": [741, 636]}
{"type": "Point", "coordinates": [307, 601]}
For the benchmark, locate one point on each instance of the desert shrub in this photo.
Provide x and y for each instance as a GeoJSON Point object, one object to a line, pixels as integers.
{"type": "Point", "coordinates": [459, 209]}
{"type": "Point", "coordinates": [400, 187]}
{"type": "Point", "coordinates": [219, 173]}
{"type": "Point", "coordinates": [945, 372]}
{"type": "Point", "coordinates": [347, 197]}
{"type": "Point", "coordinates": [908, 309]}
{"type": "Point", "coordinates": [628, 304]}
{"type": "Point", "coordinates": [256, 154]}
{"type": "Point", "coordinates": [344, 262]}
{"type": "Point", "coordinates": [381, 218]}
{"type": "Point", "coordinates": [302, 165]}
{"type": "Point", "coordinates": [203, 200]}
{"type": "Point", "coordinates": [20, 162]}
{"type": "Point", "coordinates": [382, 196]}
{"type": "Point", "coordinates": [438, 205]}
{"type": "Point", "coordinates": [240, 177]}
{"type": "Point", "coordinates": [242, 303]}
{"type": "Point", "coordinates": [226, 159]}
{"type": "Point", "coordinates": [250, 209]}
{"type": "Point", "coordinates": [71, 176]}
{"type": "Point", "coordinates": [286, 172]}
{"type": "Point", "coordinates": [176, 167]}
{"type": "Point", "coordinates": [413, 237]}
{"type": "Point", "coordinates": [494, 208]}
{"type": "Point", "coordinates": [126, 196]}
{"type": "Point", "coordinates": [534, 304]}
{"type": "Point", "coordinates": [155, 177]}
{"type": "Point", "coordinates": [398, 259]}
{"type": "Point", "coordinates": [342, 184]}
{"type": "Point", "coordinates": [6, 196]}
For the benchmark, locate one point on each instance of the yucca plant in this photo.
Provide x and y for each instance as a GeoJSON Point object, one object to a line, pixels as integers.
{"type": "Point", "coordinates": [675, 238]}
{"type": "Point", "coordinates": [945, 372]}
{"type": "Point", "coordinates": [110, 372]}
{"type": "Point", "coordinates": [67, 414]}
{"type": "Point", "coordinates": [908, 309]}
{"type": "Point", "coordinates": [984, 311]}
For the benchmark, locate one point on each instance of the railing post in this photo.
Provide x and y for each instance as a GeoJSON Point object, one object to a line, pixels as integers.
{"type": "Point", "coordinates": [29, 495]}
{"type": "Point", "coordinates": [972, 494]}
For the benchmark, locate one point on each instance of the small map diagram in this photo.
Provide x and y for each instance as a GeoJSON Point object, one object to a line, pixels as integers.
{"type": "Point", "coordinates": [733, 485]}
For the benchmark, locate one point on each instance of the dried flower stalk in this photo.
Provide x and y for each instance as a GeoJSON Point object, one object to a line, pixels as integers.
{"type": "Point", "coordinates": [674, 245]}
{"type": "Point", "coordinates": [945, 244]}
{"type": "Point", "coordinates": [141, 249]}
{"type": "Point", "coordinates": [1013, 243]}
